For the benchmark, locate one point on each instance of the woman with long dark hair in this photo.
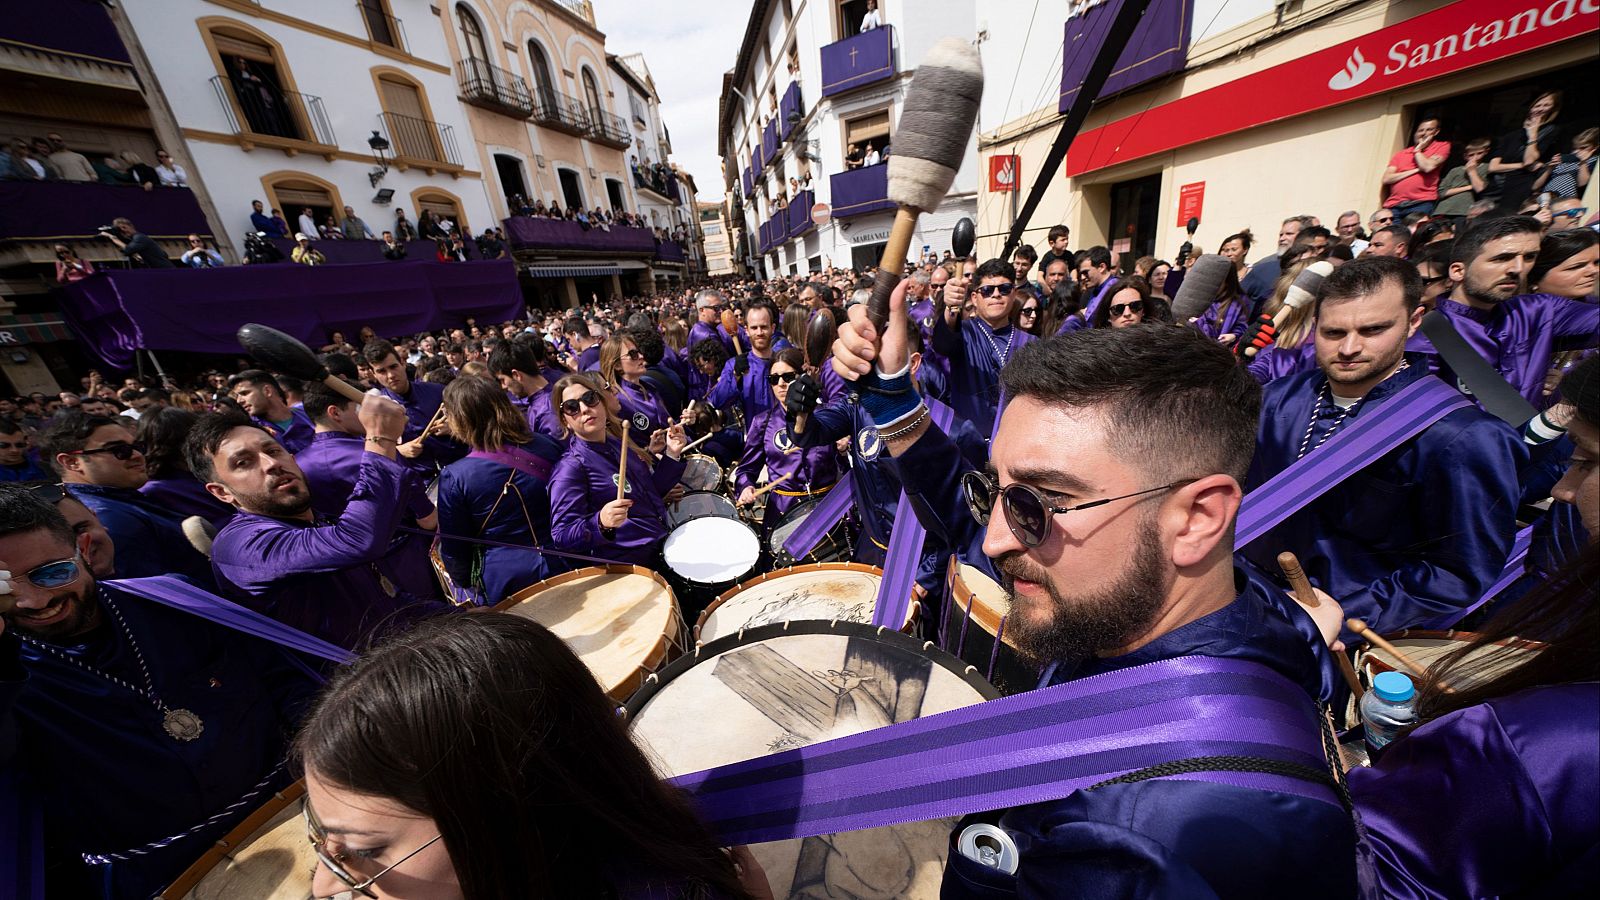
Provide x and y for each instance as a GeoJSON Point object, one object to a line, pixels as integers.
{"type": "Point", "coordinates": [1497, 793]}
{"type": "Point", "coordinates": [811, 471]}
{"type": "Point", "coordinates": [1567, 264]}
{"type": "Point", "coordinates": [1125, 304]}
{"type": "Point", "coordinates": [162, 430]}
{"type": "Point", "coordinates": [1228, 315]}
{"type": "Point", "coordinates": [475, 757]}
{"type": "Point", "coordinates": [644, 410]}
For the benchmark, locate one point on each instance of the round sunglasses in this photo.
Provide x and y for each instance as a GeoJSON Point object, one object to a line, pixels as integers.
{"type": "Point", "coordinates": [589, 398]}
{"type": "Point", "coordinates": [1118, 308]}
{"type": "Point", "coordinates": [1028, 511]}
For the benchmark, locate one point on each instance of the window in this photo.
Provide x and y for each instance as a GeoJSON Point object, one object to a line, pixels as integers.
{"type": "Point", "coordinates": [541, 75]}
{"type": "Point", "coordinates": [851, 12]}
{"type": "Point", "coordinates": [571, 189]}
{"type": "Point", "coordinates": [637, 104]}
{"type": "Point", "coordinates": [444, 207]}
{"type": "Point", "coordinates": [382, 27]}
{"type": "Point", "coordinates": [472, 43]}
{"type": "Point", "coordinates": [256, 78]}
{"type": "Point", "coordinates": [410, 130]}
{"type": "Point", "coordinates": [711, 230]}
{"type": "Point", "coordinates": [295, 193]}
{"type": "Point", "coordinates": [867, 131]}
{"type": "Point", "coordinates": [591, 95]}
{"type": "Point", "coordinates": [614, 194]}
{"type": "Point", "coordinates": [512, 182]}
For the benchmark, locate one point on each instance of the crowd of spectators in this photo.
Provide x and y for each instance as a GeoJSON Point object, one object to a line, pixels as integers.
{"type": "Point", "coordinates": [49, 158]}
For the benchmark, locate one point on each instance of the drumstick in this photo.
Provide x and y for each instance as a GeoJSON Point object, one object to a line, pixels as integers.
{"type": "Point", "coordinates": [622, 466]}
{"type": "Point", "coordinates": [1305, 596]}
{"type": "Point", "coordinates": [696, 442]}
{"type": "Point", "coordinates": [770, 485]}
{"type": "Point", "coordinates": [1377, 640]}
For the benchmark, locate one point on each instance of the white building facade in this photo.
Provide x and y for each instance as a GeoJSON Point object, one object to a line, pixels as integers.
{"type": "Point", "coordinates": [657, 192]}
{"type": "Point", "coordinates": [808, 86]}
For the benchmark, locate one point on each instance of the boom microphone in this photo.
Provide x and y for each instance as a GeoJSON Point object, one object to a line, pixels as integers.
{"type": "Point", "coordinates": [1304, 290]}
{"type": "Point", "coordinates": [1200, 287]}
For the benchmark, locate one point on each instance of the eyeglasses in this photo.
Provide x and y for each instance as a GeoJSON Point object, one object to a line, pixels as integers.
{"type": "Point", "coordinates": [10, 445]}
{"type": "Point", "coordinates": [1004, 290]}
{"type": "Point", "coordinates": [1027, 510]}
{"type": "Point", "coordinates": [589, 399]}
{"type": "Point", "coordinates": [633, 354]}
{"type": "Point", "coordinates": [1574, 213]}
{"type": "Point", "coordinates": [121, 451]}
{"type": "Point", "coordinates": [335, 861]}
{"type": "Point", "coordinates": [1030, 311]}
{"type": "Point", "coordinates": [52, 575]}
{"type": "Point", "coordinates": [49, 493]}
{"type": "Point", "coordinates": [774, 378]}
{"type": "Point", "coordinates": [1117, 309]}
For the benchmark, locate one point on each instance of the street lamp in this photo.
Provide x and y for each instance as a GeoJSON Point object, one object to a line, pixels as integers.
{"type": "Point", "coordinates": [379, 146]}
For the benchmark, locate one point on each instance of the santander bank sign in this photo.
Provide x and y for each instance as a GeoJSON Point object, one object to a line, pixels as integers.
{"type": "Point", "coordinates": [1452, 38]}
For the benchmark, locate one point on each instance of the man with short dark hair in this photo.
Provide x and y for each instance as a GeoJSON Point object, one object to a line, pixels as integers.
{"type": "Point", "coordinates": [1423, 532]}
{"type": "Point", "coordinates": [743, 379]}
{"type": "Point", "coordinates": [141, 251]}
{"type": "Point", "coordinates": [393, 250]}
{"type": "Point", "coordinates": [585, 346]}
{"type": "Point", "coordinates": [1095, 277]}
{"type": "Point", "coordinates": [424, 440]}
{"type": "Point", "coordinates": [519, 367]}
{"type": "Point", "coordinates": [1022, 260]}
{"type": "Point", "coordinates": [16, 459]}
{"type": "Point", "coordinates": [1263, 275]}
{"type": "Point", "coordinates": [260, 221]}
{"type": "Point", "coordinates": [979, 346]}
{"type": "Point", "coordinates": [816, 295]}
{"type": "Point", "coordinates": [1394, 240]}
{"type": "Point", "coordinates": [259, 395]}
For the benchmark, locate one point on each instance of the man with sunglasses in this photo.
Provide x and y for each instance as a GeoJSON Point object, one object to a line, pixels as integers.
{"type": "Point", "coordinates": [978, 347]}
{"type": "Point", "coordinates": [103, 466]}
{"type": "Point", "coordinates": [16, 462]}
{"type": "Point", "coordinates": [143, 734]}
{"type": "Point", "coordinates": [708, 305]}
{"type": "Point", "coordinates": [1109, 508]}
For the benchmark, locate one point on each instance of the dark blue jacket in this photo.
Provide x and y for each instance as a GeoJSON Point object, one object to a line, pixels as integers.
{"type": "Point", "coordinates": [148, 535]}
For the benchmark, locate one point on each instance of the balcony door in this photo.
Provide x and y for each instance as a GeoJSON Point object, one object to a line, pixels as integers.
{"type": "Point", "coordinates": [257, 85]}
{"type": "Point", "coordinates": [381, 26]}
{"type": "Point", "coordinates": [409, 127]}
{"type": "Point", "coordinates": [591, 98]}
{"type": "Point", "coordinates": [542, 82]}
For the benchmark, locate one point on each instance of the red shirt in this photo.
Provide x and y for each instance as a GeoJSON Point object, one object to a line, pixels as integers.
{"type": "Point", "coordinates": [1418, 185]}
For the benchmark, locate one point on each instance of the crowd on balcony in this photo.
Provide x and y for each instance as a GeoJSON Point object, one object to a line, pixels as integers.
{"type": "Point", "coordinates": [655, 176]}
{"type": "Point", "coordinates": [49, 158]}
{"type": "Point", "coordinates": [856, 157]}
{"type": "Point", "coordinates": [594, 218]}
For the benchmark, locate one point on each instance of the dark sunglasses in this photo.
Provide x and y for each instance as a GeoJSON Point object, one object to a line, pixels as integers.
{"type": "Point", "coordinates": [49, 493]}
{"type": "Point", "coordinates": [633, 354]}
{"type": "Point", "coordinates": [1004, 290]}
{"type": "Point", "coordinates": [123, 452]}
{"type": "Point", "coordinates": [1028, 512]}
{"type": "Point", "coordinates": [1030, 311]}
{"type": "Point", "coordinates": [18, 445]}
{"type": "Point", "coordinates": [775, 378]}
{"type": "Point", "coordinates": [1117, 309]}
{"type": "Point", "coordinates": [54, 575]}
{"type": "Point", "coordinates": [573, 407]}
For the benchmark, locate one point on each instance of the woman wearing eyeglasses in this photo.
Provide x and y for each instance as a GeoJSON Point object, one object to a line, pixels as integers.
{"type": "Point", "coordinates": [586, 516]}
{"type": "Point", "coordinates": [645, 411]}
{"type": "Point", "coordinates": [475, 757]}
{"type": "Point", "coordinates": [1125, 305]}
{"type": "Point", "coordinates": [811, 472]}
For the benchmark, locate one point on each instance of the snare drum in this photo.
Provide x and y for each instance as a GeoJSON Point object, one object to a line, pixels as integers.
{"type": "Point", "coordinates": [832, 547]}
{"type": "Point", "coordinates": [708, 555]}
{"type": "Point", "coordinates": [975, 614]}
{"type": "Point", "coordinates": [789, 685]}
{"type": "Point", "coordinates": [697, 504]}
{"type": "Point", "coordinates": [701, 473]}
{"type": "Point", "coordinates": [821, 591]}
{"type": "Point", "coordinates": [265, 857]}
{"type": "Point", "coordinates": [622, 621]}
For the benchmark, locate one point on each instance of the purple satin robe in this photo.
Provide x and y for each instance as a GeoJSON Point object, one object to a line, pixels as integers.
{"type": "Point", "coordinates": [421, 401]}
{"type": "Point", "coordinates": [1520, 336]}
{"type": "Point", "coordinates": [643, 410]}
{"type": "Point", "coordinates": [750, 390]}
{"type": "Point", "coordinates": [295, 436]}
{"type": "Point", "coordinates": [1214, 322]}
{"type": "Point", "coordinates": [700, 331]}
{"type": "Point", "coordinates": [977, 353]}
{"type": "Point", "coordinates": [1275, 361]}
{"type": "Point", "coordinates": [586, 479]}
{"type": "Point", "coordinates": [185, 495]}
{"type": "Point", "coordinates": [332, 463]}
{"type": "Point", "coordinates": [542, 416]}
{"type": "Point", "coordinates": [767, 442]}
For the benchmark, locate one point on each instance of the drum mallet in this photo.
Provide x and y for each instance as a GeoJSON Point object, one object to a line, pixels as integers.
{"type": "Point", "coordinates": [936, 122]}
{"type": "Point", "coordinates": [1307, 597]}
{"type": "Point", "coordinates": [696, 442]}
{"type": "Point", "coordinates": [730, 324]}
{"type": "Point", "coordinates": [770, 485]}
{"type": "Point", "coordinates": [622, 465]}
{"type": "Point", "coordinates": [1378, 640]}
{"type": "Point", "coordinates": [1304, 290]}
{"type": "Point", "coordinates": [281, 352]}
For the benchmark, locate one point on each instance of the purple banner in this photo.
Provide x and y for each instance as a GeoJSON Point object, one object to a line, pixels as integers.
{"type": "Point", "coordinates": [859, 191]}
{"type": "Point", "coordinates": [118, 312]}
{"type": "Point", "coordinates": [769, 142]}
{"type": "Point", "coordinates": [78, 27]}
{"type": "Point", "coordinates": [858, 60]}
{"type": "Point", "coordinates": [533, 233]}
{"type": "Point", "coordinates": [1160, 45]}
{"type": "Point", "coordinates": [339, 252]}
{"type": "Point", "coordinates": [745, 176]}
{"type": "Point", "coordinates": [800, 213]}
{"type": "Point", "coordinates": [790, 110]}
{"type": "Point", "coordinates": [63, 210]}
{"type": "Point", "coordinates": [669, 251]}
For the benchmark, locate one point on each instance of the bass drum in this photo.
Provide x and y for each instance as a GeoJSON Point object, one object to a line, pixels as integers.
{"type": "Point", "coordinates": [265, 857]}
{"type": "Point", "coordinates": [788, 685]}
{"type": "Point", "coordinates": [974, 629]}
{"type": "Point", "coordinates": [821, 591]}
{"type": "Point", "coordinates": [834, 546]}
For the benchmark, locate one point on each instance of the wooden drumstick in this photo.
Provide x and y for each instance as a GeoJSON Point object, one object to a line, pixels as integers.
{"type": "Point", "coordinates": [770, 485]}
{"type": "Point", "coordinates": [622, 465]}
{"type": "Point", "coordinates": [1307, 597]}
{"type": "Point", "coordinates": [1378, 640]}
{"type": "Point", "coordinates": [696, 442]}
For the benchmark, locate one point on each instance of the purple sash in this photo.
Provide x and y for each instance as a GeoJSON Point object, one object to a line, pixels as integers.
{"type": "Point", "coordinates": [180, 594]}
{"type": "Point", "coordinates": [822, 519]}
{"type": "Point", "coordinates": [530, 464]}
{"type": "Point", "coordinates": [1516, 566]}
{"type": "Point", "coordinates": [1405, 415]}
{"type": "Point", "coordinates": [905, 546]}
{"type": "Point", "coordinates": [1029, 748]}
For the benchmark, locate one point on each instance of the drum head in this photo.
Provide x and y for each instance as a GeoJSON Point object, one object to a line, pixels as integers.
{"type": "Point", "coordinates": [790, 524]}
{"type": "Point", "coordinates": [266, 857]}
{"type": "Point", "coordinates": [823, 591]}
{"type": "Point", "coordinates": [700, 473]}
{"type": "Point", "coordinates": [711, 550]}
{"type": "Point", "coordinates": [620, 620]}
{"type": "Point", "coordinates": [788, 685]}
{"type": "Point", "coordinates": [699, 504]}
{"type": "Point", "coordinates": [990, 603]}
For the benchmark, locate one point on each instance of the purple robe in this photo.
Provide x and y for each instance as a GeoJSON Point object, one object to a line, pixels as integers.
{"type": "Point", "coordinates": [1494, 800]}
{"type": "Point", "coordinates": [185, 495]}
{"type": "Point", "coordinates": [586, 479]}
{"type": "Point", "coordinates": [749, 391]}
{"type": "Point", "coordinates": [484, 497]}
{"type": "Point", "coordinates": [1100, 295]}
{"type": "Point", "coordinates": [833, 386]}
{"type": "Point", "coordinates": [1520, 336]}
{"type": "Point", "coordinates": [700, 331]}
{"type": "Point", "coordinates": [977, 353]}
{"type": "Point", "coordinates": [1274, 361]}
{"type": "Point", "coordinates": [421, 401]}
{"type": "Point", "coordinates": [147, 533]}
{"type": "Point", "coordinates": [643, 410]}
{"type": "Point", "coordinates": [542, 416]}
{"type": "Point", "coordinates": [589, 359]}
{"type": "Point", "coordinates": [1214, 323]}
{"type": "Point", "coordinates": [341, 582]}
{"type": "Point", "coordinates": [767, 442]}
{"type": "Point", "coordinates": [332, 463]}
{"type": "Point", "coordinates": [295, 436]}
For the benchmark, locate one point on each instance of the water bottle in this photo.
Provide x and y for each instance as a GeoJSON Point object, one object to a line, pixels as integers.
{"type": "Point", "coordinates": [1388, 708]}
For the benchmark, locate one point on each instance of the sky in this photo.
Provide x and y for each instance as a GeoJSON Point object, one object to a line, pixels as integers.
{"type": "Point", "coordinates": [687, 47]}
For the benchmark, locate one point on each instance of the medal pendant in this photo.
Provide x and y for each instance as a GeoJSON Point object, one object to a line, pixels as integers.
{"type": "Point", "coordinates": [182, 724]}
{"type": "Point", "coordinates": [386, 584]}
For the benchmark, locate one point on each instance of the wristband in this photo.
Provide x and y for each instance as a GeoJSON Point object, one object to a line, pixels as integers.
{"type": "Point", "coordinates": [891, 397]}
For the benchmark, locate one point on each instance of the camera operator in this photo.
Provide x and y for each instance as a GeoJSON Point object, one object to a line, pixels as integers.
{"type": "Point", "coordinates": [141, 251]}
{"type": "Point", "coordinates": [199, 256]}
{"type": "Point", "coordinates": [258, 249]}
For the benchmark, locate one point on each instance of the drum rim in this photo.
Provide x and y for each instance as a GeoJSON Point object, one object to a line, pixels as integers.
{"type": "Point", "coordinates": [687, 495]}
{"type": "Point", "coordinates": [229, 843]}
{"type": "Point", "coordinates": [655, 681]}
{"type": "Point", "coordinates": [703, 584]}
{"type": "Point", "coordinates": [1366, 656]}
{"type": "Point", "coordinates": [657, 653]}
{"type": "Point", "coordinates": [952, 580]}
{"type": "Point", "coordinates": [917, 593]}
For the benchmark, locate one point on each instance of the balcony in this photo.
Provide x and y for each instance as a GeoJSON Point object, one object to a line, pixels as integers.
{"type": "Point", "coordinates": [769, 143]}
{"type": "Point", "coordinates": [611, 130]}
{"type": "Point", "coordinates": [560, 111]}
{"type": "Point", "coordinates": [799, 215]}
{"type": "Point", "coordinates": [533, 234]}
{"type": "Point", "coordinates": [69, 41]}
{"type": "Point", "coordinates": [34, 215]}
{"type": "Point", "coordinates": [857, 61]}
{"type": "Point", "coordinates": [493, 88]}
{"type": "Point", "coordinates": [427, 145]}
{"type": "Point", "coordinates": [659, 180]}
{"type": "Point", "coordinates": [267, 115]}
{"type": "Point", "coordinates": [791, 109]}
{"type": "Point", "coordinates": [382, 28]}
{"type": "Point", "coordinates": [860, 191]}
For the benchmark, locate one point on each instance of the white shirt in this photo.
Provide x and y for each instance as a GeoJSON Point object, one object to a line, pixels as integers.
{"type": "Point", "coordinates": [173, 176]}
{"type": "Point", "coordinates": [871, 20]}
{"type": "Point", "coordinates": [308, 228]}
{"type": "Point", "coordinates": [873, 158]}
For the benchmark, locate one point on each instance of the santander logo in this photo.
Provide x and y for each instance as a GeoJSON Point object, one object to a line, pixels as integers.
{"type": "Point", "coordinates": [1356, 70]}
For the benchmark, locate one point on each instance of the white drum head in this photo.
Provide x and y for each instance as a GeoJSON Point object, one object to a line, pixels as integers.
{"type": "Point", "coordinates": [801, 593]}
{"type": "Point", "coordinates": [265, 857]}
{"type": "Point", "coordinates": [711, 550]}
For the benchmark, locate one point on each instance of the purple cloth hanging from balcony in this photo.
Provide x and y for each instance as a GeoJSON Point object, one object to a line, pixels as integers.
{"type": "Point", "coordinates": [1159, 45]}
{"type": "Point", "coordinates": [860, 191]}
{"type": "Point", "coordinates": [858, 60]}
{"type": "Point", "coordinates": [72, 210]}
{"type": "Point", "coordinates": [769, 142]}
{"type": "Point", "coordinates": [800, 213]}
{"type": "Point", "coordinates": [117, 312]}
{"type": "Point", "coordinates": [790, 110]}
{"type": "Point", "coordinates": [669, 251]}
{"type": "Point", "coordinates": [77, 27]}
{"type": "Point", "coordinates": [531, 233]}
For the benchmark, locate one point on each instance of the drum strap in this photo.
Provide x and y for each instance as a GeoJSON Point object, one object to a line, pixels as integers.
{"type": "Point", "coordinates": [179, 594]}
{"type": "Point", "coordinates": [1192, 716]}
{"type": "Point", "coordinates": [1400, 418]}
{"type": "Point", "coordinates": [519, 459]}
{"type": "Point", "coordinates": [822, 520]}
{"type": "Point", "coordinates": [1516, 566]}
{"type": "Point", "coordinates": [901, 560]}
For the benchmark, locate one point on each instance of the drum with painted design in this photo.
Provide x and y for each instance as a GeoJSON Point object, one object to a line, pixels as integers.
{"type": "Point", "coordinates": [265, 857]}
{"type": "Point", "coordinates": [696, 504]}
{"type": "Point", "coordinates": [797, 683]}
{"type": "Point", "coordinates": [701, 473]}
{"type": "Point", "coordinates": [708, 555]}
{"type": "Point", "coordinates": [974, 628]}
{"type": "Point", "coordinates": [845, 592]}
{"type": "Point", "coordinates": [622, 621]}
{"type": "Point", "coordinates": [833, 546]}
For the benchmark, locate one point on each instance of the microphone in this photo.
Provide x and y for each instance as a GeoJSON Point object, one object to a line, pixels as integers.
{"type": "Point", "coordinates": [1304, 290]}
{"type": "Point", "coordinates": [1200, 287]}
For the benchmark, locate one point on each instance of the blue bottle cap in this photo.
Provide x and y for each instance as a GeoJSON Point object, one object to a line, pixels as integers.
{"type": "Point", "coordinates": [1394, 687]}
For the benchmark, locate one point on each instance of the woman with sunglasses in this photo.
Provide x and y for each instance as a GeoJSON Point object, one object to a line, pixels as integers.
{"type": "Point", "coordinates": [586, 516]}
{"type": "Point", "coordinates": [1028, 317]}
{"type": "Point", "coordinates": [623, 365]}
{"type": "Point", "coordinates": [475, 757]}
{"type": "Point", "coordinates": [1125, 304]}
{"type": "Point", "coordinates": [811, 472]}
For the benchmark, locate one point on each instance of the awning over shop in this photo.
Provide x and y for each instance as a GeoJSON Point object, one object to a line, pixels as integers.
{"type": "Point", "coordinates": [582, 270]}
{"type": "Point", "coordinates": [32, 328]}
{"type": "Point", "coordinates": [119, 312]}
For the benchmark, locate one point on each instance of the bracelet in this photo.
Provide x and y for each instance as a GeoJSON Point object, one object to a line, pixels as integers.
{"type": "Point", "coordinates": [901, 432]}
{"type": "Point", "coordinates": [380, 439]}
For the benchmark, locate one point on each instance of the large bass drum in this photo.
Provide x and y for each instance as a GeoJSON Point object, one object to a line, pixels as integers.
{"type": "Point", "coordinates": [791, 684]}
{"type": "Point", "coordinates": [822, 591]}
{"type": "Point", "coordinates": [974, 628]}
{"type": "Point", "coordinates": [265, 857]}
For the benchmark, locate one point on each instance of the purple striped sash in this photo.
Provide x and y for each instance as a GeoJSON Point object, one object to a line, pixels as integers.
{"type": "Point", "coordinates": [180, 594]}
{"type": "Point", "coordinates": [822, 519]}
{"type": "Point", "coordinates": [905, 547]}
{"type": "Point", "coordinates": [517, 458]}
{"type": "Point", "coordinates": [1396, 420]}
{"type": "Point", "coordinates": [1027, 748]}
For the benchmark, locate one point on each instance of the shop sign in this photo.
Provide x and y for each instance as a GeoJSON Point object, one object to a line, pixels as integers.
{"type": "Point", "coordinates": [1003, 172]}
{"type": "Point", "coordinates": [1191, 197]}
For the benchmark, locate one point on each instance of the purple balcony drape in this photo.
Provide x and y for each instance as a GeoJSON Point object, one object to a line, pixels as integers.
{"type": "Point", "coordinates": [532, 233]}
{"type": "Point", "coordinates": [64, 210]}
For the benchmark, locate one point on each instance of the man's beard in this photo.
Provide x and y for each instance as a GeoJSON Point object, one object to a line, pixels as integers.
{"type": "Point", "coordinates": [1376, 366]}
{"type": "Point", "coordinates": [271, 503]}
{"type": "Point", "coordinates": [84, 616]}
{"type": "Point", "coordinates": [1487, 292]}
{"type": "Point", "coordinates": [1082, 625]}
